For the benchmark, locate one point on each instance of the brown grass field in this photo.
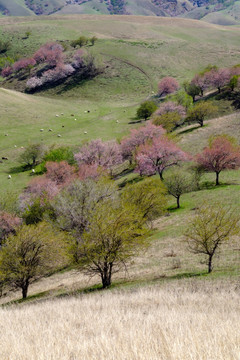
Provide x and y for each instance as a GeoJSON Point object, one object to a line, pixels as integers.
{"type": "Point", "coordinates": [182, 320]}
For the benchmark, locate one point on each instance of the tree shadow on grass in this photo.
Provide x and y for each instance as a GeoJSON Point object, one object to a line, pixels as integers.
{"type": "Point", "coordinates": [20, 169]}
{"type": "Point", "coordinates": [186, 131]}
{"type": "Point", "coordinates": [210, 185]}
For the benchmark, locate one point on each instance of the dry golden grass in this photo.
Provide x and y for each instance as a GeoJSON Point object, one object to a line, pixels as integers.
{"type": "Point", "coordinates": [184, 320]}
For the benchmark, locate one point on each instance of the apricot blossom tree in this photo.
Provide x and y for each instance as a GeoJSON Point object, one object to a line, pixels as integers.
{"type": "Point", "coordinates": [139, 137]}
{"type": "Point", "coordinates": [167, 85]}
{"type": "Point", "coordinates": [159, 155]}
{"type": "Point", "coordinates": [221, 154]}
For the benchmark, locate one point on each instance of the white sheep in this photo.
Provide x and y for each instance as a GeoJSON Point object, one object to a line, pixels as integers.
{"type": "Point", "coordinates": [9, 177]}
{"type": "Point", "coordinates": [85, 132]}
{"type": "Point", "coordinates": [49, 129]}
{"type": "Point", "coordinates": [33, 171]}
{"type": "Point", "coordinates": [41, 130]}
{"type": "Point", "coordinates": [57, 115]}
{"type": "Point", "coordinates": [59, 135]}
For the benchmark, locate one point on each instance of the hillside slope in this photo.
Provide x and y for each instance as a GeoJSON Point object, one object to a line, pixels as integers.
{"type": "Point", "coordinates": [217, 11]}
{"type": "Point", "coordinates": [14, 8]}
{"type": "Point", "coordinates": [135, 53]}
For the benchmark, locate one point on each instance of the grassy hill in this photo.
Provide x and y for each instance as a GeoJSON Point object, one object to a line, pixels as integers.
{"type": "Point", "coordinates": [135, 53]}
{"type": "Point", "coordinates": [218, 12]}
{"type": "Point", "coordinates": [166, 298]}
{"type": "Point", "coordinates": [14, 8]}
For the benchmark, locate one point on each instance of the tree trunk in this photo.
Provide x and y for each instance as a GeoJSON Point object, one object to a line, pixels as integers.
{"type": "Point", "coordinates": [178, 202]}
{"type": "Point", "coordinates": [201, 122]}
{"type": "Point", "coordinates": [106, 275]}
{"type": "Point", "coordinates": [219, 90]}
{"type": "Point", "coordinates": [25, 290]}
{"type": "Point", "coordinates": [217, 178]}
{"type": "Point", "coordinates": [161, 175]}
{"type": "Point", "coordinates": [210, 264]}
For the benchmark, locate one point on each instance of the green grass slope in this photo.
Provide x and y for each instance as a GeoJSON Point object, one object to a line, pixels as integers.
{"type": "Point", "coordinates": [15, 8]}
{"type": "Point", "coordinates": [135, 53]}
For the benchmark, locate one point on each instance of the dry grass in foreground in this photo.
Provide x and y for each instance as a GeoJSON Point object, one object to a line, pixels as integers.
{"type": "Point", "coordinates": [181, 320]}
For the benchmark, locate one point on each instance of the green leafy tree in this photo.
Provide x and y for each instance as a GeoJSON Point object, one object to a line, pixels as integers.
{"type": "Point", "coordinates": [233, 83]}
{"type": "Point", "coordinates": [182, 98]}
{"type": "Point", "coordinates": [33, 154]}
{"type": "Point", "coordinates": [149, 197]}
{"type": "Point", "coordinates": [178, 182]}
{"type": "Point", "coordinates": [169, 121]}
{"type": "Point", "coordinates": [200, 111]}
{"type": "Point", "coordinates": [93, 40]}
{"type": "Point", "coordinates": [31, 253]}
{"type": "Point", "coordinates": [192, 90]}
{"type": "Point", "coordinates": [116, 233]}
{"type": "Point", "coordinates": [146, 109]}
{"type": "Point", "coordinates": [212, 226]}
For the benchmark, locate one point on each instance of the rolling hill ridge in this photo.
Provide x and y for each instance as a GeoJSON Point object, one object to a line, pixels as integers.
{"type": "Point", "coordinates": [224, 12]}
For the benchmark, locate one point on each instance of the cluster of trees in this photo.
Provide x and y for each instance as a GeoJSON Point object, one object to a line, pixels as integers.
{"type": "Point", "coordinates": [76, 210]}
{"type": "Point", "coordinates": [179, 105]}
{"type": "Point", "coordinates": [49, 63]}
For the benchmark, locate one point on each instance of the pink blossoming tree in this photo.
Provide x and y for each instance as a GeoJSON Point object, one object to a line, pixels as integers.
{"type": "Point", "coordinates": [159, 155]}
{"type": "Point", "coordinates": [221, 154]}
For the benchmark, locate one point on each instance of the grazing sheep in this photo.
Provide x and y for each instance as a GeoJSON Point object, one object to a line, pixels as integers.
{"type": "Point", "coordinates": [62, 114]}
{"type": "Point", "coordinates": [62, 126]}
{"type": "Point", "coordinates": [88, 111]}
{"type": "Point", "coordinates": [49, 129]}
{"type": "Point", "coordinates": [57, 115]}
{"type": "Point", "coordinates": [41, 130]}
{"type": "Point", "coordinates": [22, 147]}
{"type": "Point", "coordinates": [117, 121]}
{"type": "Point", "coordinates": [85, 111]}
{"type": "Point", "coordinates": [9, 177]}
{"type": "Point", "coordinates": [4, 158]}
{"type": "Point", "coordinates": [33, 171]}
{"type": "Point", "coordinates": [85, 132]}
{"type": "Point", "coordinates": [6, 134]}
{"type": "Point", "coordinates": [59, 135]}
{"type": "Point", "coordinates": [72, 114]}
{"type": "Point", "coordinates": [15, 146]}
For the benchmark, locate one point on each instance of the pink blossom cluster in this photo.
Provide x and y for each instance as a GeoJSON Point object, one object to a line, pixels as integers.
{"type": "Point", "coordinates": [60, 72]}
{"type": "Point", "coordinates": [158, 155]}
{"type": "Point", "coordinates": [100, 154]}
{"type": "Point", "coordinates": [169, 107]}
{"type": "Point", "coordinates": [138, 137]}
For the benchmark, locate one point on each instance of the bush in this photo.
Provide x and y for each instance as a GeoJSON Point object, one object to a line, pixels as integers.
{"type": "Point", "coordinates": [62, 153]}
{"type": "Point", "coordinates": [81, 41]}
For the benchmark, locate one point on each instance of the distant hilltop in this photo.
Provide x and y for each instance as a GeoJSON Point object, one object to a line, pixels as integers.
{"type": "Point", "coordinates": [222, 12]}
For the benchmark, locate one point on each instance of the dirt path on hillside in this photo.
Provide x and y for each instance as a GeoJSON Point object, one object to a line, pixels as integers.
{"type": "Point", "coordinates": [132, 65]}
